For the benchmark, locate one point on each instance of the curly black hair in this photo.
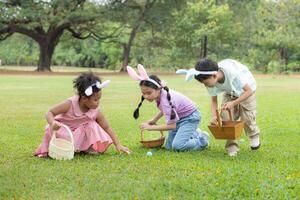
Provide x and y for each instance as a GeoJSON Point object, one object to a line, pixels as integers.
{"type": "Point", "coordinates": [83, 81]}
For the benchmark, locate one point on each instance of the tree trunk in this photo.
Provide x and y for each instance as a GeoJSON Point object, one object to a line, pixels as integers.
{"type": "Point", "coordinates": [125, 57]}
{"type": "Point", "coordinates": [47, 47]}
{"type": "Point", "coordinates": [127, 48]}
{"type": "Point", "coordinates": [203, 50]}
{"type": "Point", "coordinates": [205, 46]}
{"type": "Point", "coordinates": [46, 53]}
{"type": "Point", "coordinates": [284, 57]}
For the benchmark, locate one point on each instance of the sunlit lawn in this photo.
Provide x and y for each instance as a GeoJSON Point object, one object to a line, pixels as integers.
{"type": "Point", "coordinates": [269, 173]}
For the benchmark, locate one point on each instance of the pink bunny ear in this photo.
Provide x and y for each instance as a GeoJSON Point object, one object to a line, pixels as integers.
{"type": "Point", "coordinates": [133, 74]}
{"type": "Point", "coordinates": [143, 72]}
{"type": "Point", "coordinates": [163, 83]}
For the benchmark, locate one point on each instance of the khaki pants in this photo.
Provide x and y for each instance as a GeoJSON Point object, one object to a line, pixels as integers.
{"type": "Point", "coordinates": [245, 111]}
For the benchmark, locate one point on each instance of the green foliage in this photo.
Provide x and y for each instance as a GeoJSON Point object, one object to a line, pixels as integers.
{"type": "Point", "coordinates": [46, 21]}
{"type": "Point", "coordinates": [203, 19]}
{"type": "Point", "coordinates": [294, 66]}
{"type": "Point", "coordinates": [87, 53]}
{"type": "Point", "coordinates": [25, 53]}
{"type": "Point", "coordinates": [275, 66]}
{"type": "Point", "coordinates": [263, 34]}
{"type": "Point", "coordinates": [277, 29]}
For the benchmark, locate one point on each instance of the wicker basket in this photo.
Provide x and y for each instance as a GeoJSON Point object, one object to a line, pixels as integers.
{"type": "Point", "coordinates": [152, 143]}
{"type": "Point", "coordinates": [61, 149]}
{"type": "Point", "coordinates": [227, 129]}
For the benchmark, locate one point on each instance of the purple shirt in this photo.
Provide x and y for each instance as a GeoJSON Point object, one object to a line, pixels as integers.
{"type": "Point", "coordinates": [183, 106]}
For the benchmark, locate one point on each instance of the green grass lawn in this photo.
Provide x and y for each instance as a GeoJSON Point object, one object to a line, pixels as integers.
{"type": "Point", "coordinates": [272, 172]}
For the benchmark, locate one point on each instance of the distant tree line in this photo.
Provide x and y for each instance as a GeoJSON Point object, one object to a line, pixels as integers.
{"type": "Point", "coordinates": [169, 34]}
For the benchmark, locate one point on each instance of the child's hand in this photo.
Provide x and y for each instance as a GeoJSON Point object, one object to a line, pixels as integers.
{"type": "Point", "coordinates": [151, 122]}
{"type": "Point", "coordinates": [55, 125]}
{"type": "Point", "coordinates": [213, 120]}
{"type": "Point", "coordinates": [123, 149]}
{"type": "Point", "coordinates": [228, 106]}
{"type": "Point", "coordinates": [145, 126]}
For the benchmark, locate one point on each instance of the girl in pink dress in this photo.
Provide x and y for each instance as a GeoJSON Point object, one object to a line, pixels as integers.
{"type": "Point", "coordinates": [91, 131]}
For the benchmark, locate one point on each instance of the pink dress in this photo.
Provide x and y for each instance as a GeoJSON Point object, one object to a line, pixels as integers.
{"type": "Point", "coordinates": [87, 133]}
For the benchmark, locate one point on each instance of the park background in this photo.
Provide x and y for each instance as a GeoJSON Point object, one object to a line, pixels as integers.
{"type": "Point", "coordinates": [46, 43]}
{"type": "Point", "coordinates": [161, 34]}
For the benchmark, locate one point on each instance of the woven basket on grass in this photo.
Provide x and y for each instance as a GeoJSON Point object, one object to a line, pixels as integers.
{"type": "Point", "coordinates": [226, 129]}
{"type": "Point", "coordinates": [61, 149]}
{"type": "Point", "coordinates": [153, 143]}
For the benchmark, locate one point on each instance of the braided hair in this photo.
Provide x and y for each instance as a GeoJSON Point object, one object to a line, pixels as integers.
{"type": "Point", "coordinates": [155, 87]}
{"type": "Point", "coordinates": [83, 81]}
{"type": "Point", "coordinates": [205, 64]}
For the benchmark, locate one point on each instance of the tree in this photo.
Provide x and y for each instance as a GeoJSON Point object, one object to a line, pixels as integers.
{"type": "Point", "coordinates": [202, 29]}
{"type": "Point", "coordinates": [141, 15]}
{"type": "Point", "coordinates": [45, 22]}
{"type": "Point", "coordinates": [278, 28]}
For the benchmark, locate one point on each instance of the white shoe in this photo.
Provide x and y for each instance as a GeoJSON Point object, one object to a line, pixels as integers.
{"type": "Point", "coordinates": [232, 153]}
{"type": "Point", "coordinates": [254, 143]}
{"type": "Point", "coordinates": [204, 132]}
{"type": "Point", "coordinates": [232, 150]}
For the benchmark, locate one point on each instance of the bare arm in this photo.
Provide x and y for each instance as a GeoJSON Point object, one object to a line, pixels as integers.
{"type": "Point", "coordinates": [163, 127]}
{"type": "Point", "coordinates": [107, 128]}
{"type": "Point", "coordinates": [56, 110]}
{"type": "Point", "coordinates": [247, 93]}
{"type": "Point", "coordinates": [214, 106]}
{"type": "Point", "coordinates": [104, 124]}
{"type": "Point", "coordinates": [156, 118]}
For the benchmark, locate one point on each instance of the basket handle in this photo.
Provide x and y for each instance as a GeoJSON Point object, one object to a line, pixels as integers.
{"type": "Point", "coordinates": [229, 113]}
{"type": "Point", "coordinates": [219, 118]}
{"type": "Point", "coordinates": [218, 112]}
{"type": "Point", "coordinates": [68, 130]}
{"type": "Point", "coordinates": [142, 134]}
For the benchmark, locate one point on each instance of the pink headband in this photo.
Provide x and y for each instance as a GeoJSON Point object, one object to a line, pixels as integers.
{"type": "Point", "coordinates": [143, 76]}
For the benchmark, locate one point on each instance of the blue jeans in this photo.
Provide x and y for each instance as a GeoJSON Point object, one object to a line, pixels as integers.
{"type": "Point", "coordinates": [185, 136]}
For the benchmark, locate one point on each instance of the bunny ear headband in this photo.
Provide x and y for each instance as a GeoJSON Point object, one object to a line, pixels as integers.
{"type": "Point", "coordinates": [192, 72]}
{"type": "Point", "coordinates": [143, 76]}
{"type": "Point", "coordinates": [89, 90]}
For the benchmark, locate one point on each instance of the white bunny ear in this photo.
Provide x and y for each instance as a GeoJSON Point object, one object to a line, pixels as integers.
{"type": "Point", "coordinates": [189, 76]}
{"type": "Point", "coordinates": [163, 83]}
{"type": "Point", "coordinates": [191, 73]}
{"type": "Point", "coordinates": [133, 74]}
{"type": "Point", "coordinates": [181, 71]}
{"type": "Point", "coordinates": [104, 84]}
{"type": "Point", "coordinates": [143, 72]}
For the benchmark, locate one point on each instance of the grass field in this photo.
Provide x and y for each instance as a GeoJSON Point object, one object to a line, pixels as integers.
{"type": "Point", "coordinates": [273, 172]}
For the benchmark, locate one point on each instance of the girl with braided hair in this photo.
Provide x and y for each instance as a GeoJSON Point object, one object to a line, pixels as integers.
{"type": "Point", "coordinates": [182, 116]}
